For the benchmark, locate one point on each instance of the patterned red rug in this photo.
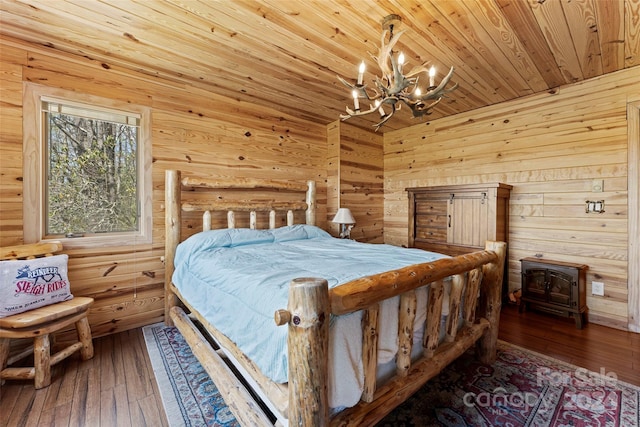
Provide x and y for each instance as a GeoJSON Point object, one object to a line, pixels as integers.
{"type": "Point", "coordinates": [521, 388]}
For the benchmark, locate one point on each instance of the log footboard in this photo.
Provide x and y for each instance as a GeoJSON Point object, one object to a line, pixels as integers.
{"type": "Point", "coordinates": [306, 316]}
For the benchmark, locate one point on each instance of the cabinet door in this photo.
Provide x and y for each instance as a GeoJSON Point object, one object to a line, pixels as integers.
{"type": "Point", "coordinates": [431, 219]}
{"type": "Point", "coordinates": [468, 218]}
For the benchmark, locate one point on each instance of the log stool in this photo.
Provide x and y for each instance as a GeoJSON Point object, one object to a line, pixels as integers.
{"type": "Point", "coordinates": [39, 323]}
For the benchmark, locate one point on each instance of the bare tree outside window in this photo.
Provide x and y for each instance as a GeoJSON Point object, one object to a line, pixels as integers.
{"type": "Point", "coordinates": [92, 171]}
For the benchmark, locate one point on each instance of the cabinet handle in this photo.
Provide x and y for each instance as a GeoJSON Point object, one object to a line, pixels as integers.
{"type": "Point", "coordinates": [449, 221]}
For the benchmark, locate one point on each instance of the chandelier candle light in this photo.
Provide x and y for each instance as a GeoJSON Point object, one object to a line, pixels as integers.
{"type": "Point", "coordinates": [394, 86]}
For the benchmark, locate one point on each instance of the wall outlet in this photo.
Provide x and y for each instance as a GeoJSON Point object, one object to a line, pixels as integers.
{"type": "Point", "coordinates": [597, 288]}
{"type": "Point", "coordinates": [597, 185]}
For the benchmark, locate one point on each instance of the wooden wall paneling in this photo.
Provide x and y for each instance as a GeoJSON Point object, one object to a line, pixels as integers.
{"type": "Point", "coordinates": [333, 176]}
{"type": "Point", "coordinates": [361, 181]}
{"type": "Point", "coordinates": [11, 222]}
{"type": "Point", "coordinates": [192, 130]}
{"type": "Point", "coordinates": [228, 110]}
{"type": "Point", "coordinates": [550, 147]}
{"type": "Point", "coordinates": [74, 75]}
{"type": "Point", "coordinates": [633, 174]}
{"type": "Point", "coordinates": [115, 314]}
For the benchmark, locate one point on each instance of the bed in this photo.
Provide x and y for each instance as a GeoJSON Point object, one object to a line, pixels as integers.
{"type": "Point", "coordinates": [296, 327]}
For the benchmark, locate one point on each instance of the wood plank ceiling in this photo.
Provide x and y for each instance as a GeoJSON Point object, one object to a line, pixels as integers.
{"type": "Point", "coordinates": [286, 53]}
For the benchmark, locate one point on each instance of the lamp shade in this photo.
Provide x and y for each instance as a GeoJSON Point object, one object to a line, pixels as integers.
{"type": "Point", "coordinates": [343, 216]}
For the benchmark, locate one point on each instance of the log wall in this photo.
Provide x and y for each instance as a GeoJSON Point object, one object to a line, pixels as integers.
{"type": "Point", "coordinates": [550, 147]}
{"type": "Point", "coordinates": [192, 130]}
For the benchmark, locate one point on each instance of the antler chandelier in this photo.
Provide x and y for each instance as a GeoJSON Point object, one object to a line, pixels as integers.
{"type": "Point", "coordinates": [395, 88]}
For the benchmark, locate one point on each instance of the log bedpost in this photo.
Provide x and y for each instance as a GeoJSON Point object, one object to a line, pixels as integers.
{"type": "Point", "coordinates": [172, 224]}
{"type": "Point", "coordinates": [308, 352]}
{"type": "Point", "coordinates": [491, 302]}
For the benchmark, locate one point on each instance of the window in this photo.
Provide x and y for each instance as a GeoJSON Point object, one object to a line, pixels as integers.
{"type": "Point", "coordinates": [87, 169]}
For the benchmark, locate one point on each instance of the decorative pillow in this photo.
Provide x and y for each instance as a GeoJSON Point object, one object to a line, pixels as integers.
{"type": "Point", "coordinates": [33, 283]}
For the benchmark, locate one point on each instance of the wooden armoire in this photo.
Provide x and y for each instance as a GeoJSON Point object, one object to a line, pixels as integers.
{"type": "Point", "coordinates": [458, 219]}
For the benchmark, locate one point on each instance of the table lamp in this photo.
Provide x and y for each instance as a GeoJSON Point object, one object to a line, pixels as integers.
{"type": "Point", "coordinates": [346, 221]}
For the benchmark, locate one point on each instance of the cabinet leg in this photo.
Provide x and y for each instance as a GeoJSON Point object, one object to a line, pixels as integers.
{"type": "Point", "coordinates": [579, 320]}
{"type": "Point", "coordinates": [521, 307]}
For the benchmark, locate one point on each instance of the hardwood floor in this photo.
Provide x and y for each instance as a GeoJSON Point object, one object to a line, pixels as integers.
{"type": "Point", "coordinates": [594, 347]}
{"type": "Point", "coordinates": [117, 387]}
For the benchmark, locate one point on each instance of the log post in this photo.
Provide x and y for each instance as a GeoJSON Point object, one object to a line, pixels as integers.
{"type": "Point", "coordinates": [458, 283]}
{"type": "Point", "coordinates": [84, 336]}
{"type": "Point", "coordinates": [206, 220]}
{"type": "Point", "coordinates": [4, 353]}
{"type": "Point", "coordinates": [42, 361]}
{"type": "Point", "coordinates": [431, 337]}
{"type": "Point", "coordinates": [272, 219]}
{"type": "Point", "coordinates": [491, 301]}
{"type": "Point", "coordinates": [406, 318]}
{"type": "Point", "coordinates": [370, 351]}
{"type": "Point", "coordinates": [311, 203]}
{"type": "Point", "coordinates": [231, 219]}
{"type": "Point", "coordinates": [471, 296]}
{"type": "Point", "coordinates": [172, 223]}
{"type": "Point", "coordinates": [308, 352]}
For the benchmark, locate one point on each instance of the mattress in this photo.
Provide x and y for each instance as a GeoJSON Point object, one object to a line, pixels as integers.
{"type": "Point", "coordinates": [238, 278]}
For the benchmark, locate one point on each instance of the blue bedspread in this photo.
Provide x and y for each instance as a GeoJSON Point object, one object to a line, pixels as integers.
{"type": "Point", "coordinates": [238, 278]}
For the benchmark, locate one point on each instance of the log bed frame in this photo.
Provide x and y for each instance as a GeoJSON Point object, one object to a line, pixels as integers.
{"type": "Point", "coordinates": [475, 290]}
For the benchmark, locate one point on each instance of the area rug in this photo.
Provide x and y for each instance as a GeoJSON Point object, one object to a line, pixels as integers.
{"type": "Point", "coordinates": [521, 388]}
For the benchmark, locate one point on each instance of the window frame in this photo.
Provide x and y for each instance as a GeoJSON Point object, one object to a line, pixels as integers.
{"type": "Point", "coordinates": [34, 179]}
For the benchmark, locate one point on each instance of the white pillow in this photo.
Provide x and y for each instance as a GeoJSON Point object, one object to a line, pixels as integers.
{"type": "Point", "coordinates": [33, 283]}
